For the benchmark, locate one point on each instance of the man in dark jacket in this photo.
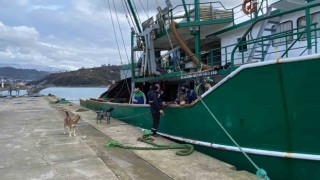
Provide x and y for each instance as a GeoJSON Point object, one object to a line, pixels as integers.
{"type": "Point", "coordinates": [189, 94]}
{"type": "Point", "coordinates": [155, 108]}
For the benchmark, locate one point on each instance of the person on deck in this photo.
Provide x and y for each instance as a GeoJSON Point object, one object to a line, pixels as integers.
{"type": "Point", "coordinates": [189, 95]}
{"type": "Point", "coordinates": [155, 108]}
{"type": "Point", "coordinates": [138, 97]}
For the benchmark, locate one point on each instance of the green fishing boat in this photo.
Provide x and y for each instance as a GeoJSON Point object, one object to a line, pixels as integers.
{"type": "Point", "coordinates": [255, 70]}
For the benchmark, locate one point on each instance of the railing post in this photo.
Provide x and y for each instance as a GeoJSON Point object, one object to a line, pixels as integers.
{"type": "Point", "coordinates": [226, 55]}
{"type": "Point", "coordinates": [242, 52]}
{"type": "Point", "coordinates": [132, 57]}
{"type": "Point", "coordinates": [197, 32]}
{"type": "Point", "coordinates": [315, 39]}
{"type": "Point", "coordinates": [262, 49]}
{"type": "Point", "coordinates": [287, 46]}
{"type": "Point", "coordinates": [233, 17]}
{"type": "Point", "coordinates": [308, 22]}
{"type": "Point", "coordinates": [186, 11]}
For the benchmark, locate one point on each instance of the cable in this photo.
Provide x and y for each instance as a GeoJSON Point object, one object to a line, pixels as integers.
{"type": "Point", "coordinates": [125, 49]}
{"type": "Point", "coordinates": [114, 30]}
{"type": "Point", "coordinates": [122, 42]}
{"type": "Point", "coordinates": [144, 9]}
{"type": "Point", "coordinates": [125, 7]}
{"type": "Point", "coordinates": [134, 5]}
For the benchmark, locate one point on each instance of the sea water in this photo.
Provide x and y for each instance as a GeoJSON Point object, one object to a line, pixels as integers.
{"type": "Point", "coordinates": [74, 94]}
{"type": "Point", "coordinates": [13, 93]}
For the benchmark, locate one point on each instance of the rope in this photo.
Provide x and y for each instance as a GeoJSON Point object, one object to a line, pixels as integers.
{"type": "Point", "coordinates": [261, 173]}
{"type": "Point", "coordinates": [134, 5]}
{"type": "Point", "coordinates": [128, 117]}
{"type": "Point", "coordinates": [125, 49]}
{"type": "Point", "coordinates": [81, 110]}
{"type": "Point", "coordinates": [61, 101]}
{"type": "Point", "coordinates": [144, 9]}
{"type": "Point", "coordinates": [125, 7]}
{"type": "Point", "coordinates": [114, 30]}
{"type": "Point", "coordinates": [187, 149]}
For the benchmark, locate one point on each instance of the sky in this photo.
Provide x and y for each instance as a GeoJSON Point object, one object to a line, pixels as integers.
{"type": "Point", "coordinates": [68, 34]}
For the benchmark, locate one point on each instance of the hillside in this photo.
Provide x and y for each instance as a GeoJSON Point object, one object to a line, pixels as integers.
{"type": "Point", "coordinates": [100, 76]}
{"type": "Point", "coordinates": [21, 74]}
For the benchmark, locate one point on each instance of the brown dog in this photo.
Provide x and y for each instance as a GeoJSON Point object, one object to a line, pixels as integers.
{"type": "Point", "coordinates": [71, 122]}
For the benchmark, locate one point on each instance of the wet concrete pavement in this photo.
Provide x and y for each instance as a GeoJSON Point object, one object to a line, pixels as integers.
{"type": "Point", "coordinates": [33, 146]}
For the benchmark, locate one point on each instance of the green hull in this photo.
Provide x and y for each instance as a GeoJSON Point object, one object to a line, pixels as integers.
{"type": "Point", "coordinates": [273, 107]}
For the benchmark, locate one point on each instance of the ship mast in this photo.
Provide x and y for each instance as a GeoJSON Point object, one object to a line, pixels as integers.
{"type": "Point", "coordinates": [134, 14]}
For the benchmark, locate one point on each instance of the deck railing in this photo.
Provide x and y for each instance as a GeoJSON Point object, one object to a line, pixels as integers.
{"type": "Point", "coordinates": [185, 14]}
{"type": "Point", "coordinates": [308, 29]}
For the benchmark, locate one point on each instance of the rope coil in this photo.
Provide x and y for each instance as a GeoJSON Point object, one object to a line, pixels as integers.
{"type": "Point", "coordinates": [186, 149]}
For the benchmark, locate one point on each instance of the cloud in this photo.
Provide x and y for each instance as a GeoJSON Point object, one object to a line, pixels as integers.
{"type": "Point", "coordinates": [67, 33]}
{"type": "Point", "coordinates": [22, 45]}
{"type": "Point", "coordinates": [47, 7]}
{"type": "Point", "coordinates": [20, 35]}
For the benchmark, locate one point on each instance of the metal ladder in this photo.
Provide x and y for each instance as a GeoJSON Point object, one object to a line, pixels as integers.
{"type": "Point", "coordinates": [260, 49]}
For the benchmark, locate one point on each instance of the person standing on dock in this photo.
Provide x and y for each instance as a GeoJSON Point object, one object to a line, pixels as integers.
{"type": "Point", "coordinates": [155, 108]}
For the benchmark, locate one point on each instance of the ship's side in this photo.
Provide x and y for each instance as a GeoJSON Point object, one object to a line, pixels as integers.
{"type": "Point", "coordinates": [272, 109]}
{"type": "Point", "coordinates": [265, 91]}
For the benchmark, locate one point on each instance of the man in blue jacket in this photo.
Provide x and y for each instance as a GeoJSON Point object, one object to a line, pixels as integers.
{"type": "Point", "coordinates": [189, 94]}
{"type": "Point", "coordinates": [155, 108]}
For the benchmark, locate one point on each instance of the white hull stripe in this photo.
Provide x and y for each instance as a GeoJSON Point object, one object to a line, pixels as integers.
{"type": "Point", "coordinates": [248, 150]}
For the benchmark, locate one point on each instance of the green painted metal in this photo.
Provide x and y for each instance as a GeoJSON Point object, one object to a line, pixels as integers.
{"type": "Point", "coordinates": [308, 24]}
{"type": "Point", "coordinates": [197, 33]}
{"type": "Point", "coordinates": [160, 77]}
{"type": "Point", "coordinates": [199, 23]}
{"type": "Point", "coordinates": [238, 25]}
{"type": "Point", "coordinates": [269, 108]}
{"type": "Point", "coordinates": [202, 23]}
{"type": "Point", "coordinates": [185, 10]}
{"type": "Point", "coordinates": [292, 44]}
{"type": "Point", "coordinates": [132, 58]}
{"type": "Point", "coordinates": [316, 41]}
{"type": "Point", "coordinates": [134, 15]}
{"type": "Point", "coordinates": [211, 57]}
{"type": "Point", "coordinates": [163, 32]}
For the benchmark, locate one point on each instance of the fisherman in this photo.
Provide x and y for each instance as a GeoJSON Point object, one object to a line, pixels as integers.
{"type": "Point", "coordinates": [138, 96]}
{"type": "Point", "coordinates": [189, 95]}
{"type": "Point", "coordinates": [155, 108]}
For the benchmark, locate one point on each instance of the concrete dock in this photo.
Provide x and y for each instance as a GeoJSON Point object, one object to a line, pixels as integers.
{"type": "Point", "coordinates": [33, 146]}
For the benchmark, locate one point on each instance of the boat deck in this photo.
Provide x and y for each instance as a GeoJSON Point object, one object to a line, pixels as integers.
{"type": "Point", "coordinates": [36, 148]}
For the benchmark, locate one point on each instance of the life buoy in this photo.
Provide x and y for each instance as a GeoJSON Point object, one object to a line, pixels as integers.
{"type": "Point", "coordinates": [249, 6]}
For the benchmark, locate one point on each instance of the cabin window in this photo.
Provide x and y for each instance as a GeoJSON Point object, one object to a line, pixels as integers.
{"type": "Point", "coordinates": [243, 47]}
{"type": "Point", "coordinates": [284, 32]}
{"type": "Point", "coordinates": [315, 23]}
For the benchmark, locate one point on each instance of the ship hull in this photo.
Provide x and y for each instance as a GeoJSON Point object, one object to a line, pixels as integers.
{"type": "Point", "coordinates": [271, 109]}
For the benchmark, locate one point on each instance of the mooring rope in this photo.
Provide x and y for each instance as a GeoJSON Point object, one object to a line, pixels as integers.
{"type": "Point", "coordinates": [261, 173]}
{"type": "Point", "coordinates": [187, 149]}
{"type": "Point", "coordinates": [128, 117]}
